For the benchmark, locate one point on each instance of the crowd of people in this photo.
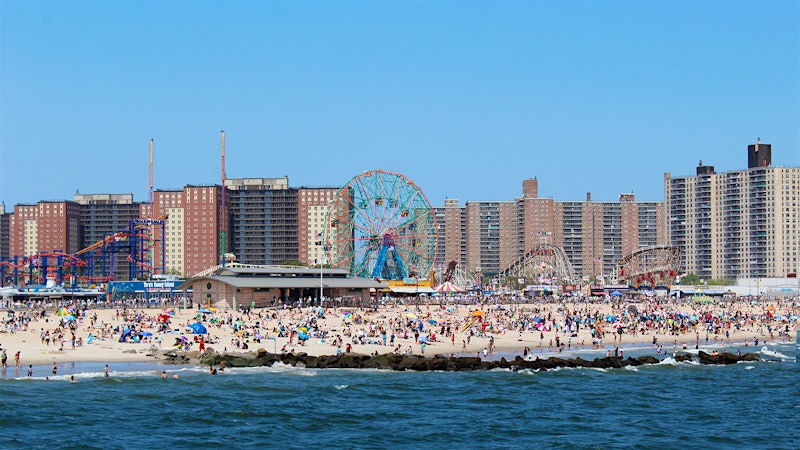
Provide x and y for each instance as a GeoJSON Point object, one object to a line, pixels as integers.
{"type": "Point", "coordinates": [482, 327]}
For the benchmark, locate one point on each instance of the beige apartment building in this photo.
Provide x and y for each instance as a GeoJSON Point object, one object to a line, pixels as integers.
{"type": "Point", "coordinates": [312, 208]}
{"type": "Point", "coordinates": [737, 224]}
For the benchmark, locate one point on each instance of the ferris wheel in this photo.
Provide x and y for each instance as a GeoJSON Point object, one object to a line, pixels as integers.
{"type": "Point", "coordinates": [380, 225]}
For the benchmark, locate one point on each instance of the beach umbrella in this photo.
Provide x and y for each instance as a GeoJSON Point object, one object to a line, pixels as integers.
{"type": "Point", "coordinates": [145, 333]}
{"type": "Point", "coordinates": [302, 336]}
{"type": "Point", "coordinates": [198, 328]}
{"type": "Point", "coordinates": [432, 322]}
{"type": "Point", "coordinates": [477, 313]}
{"type": "Point", "coordinates": [423, 339]}
{"type": "Point", "coordinates": [611, 318]}
{"type": "Point", "coordinates": [302, 329]}
{"type": "Point", "coordinates": [411, 316]}
{"type": "Point", "coordinates": [204, 311]}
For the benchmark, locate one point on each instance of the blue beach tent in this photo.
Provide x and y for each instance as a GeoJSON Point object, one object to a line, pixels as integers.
{"type": "Point", "coordinates": [198, 328]}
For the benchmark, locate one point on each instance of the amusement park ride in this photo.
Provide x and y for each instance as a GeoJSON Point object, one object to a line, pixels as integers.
{"type": "Point", "coordinates": [139, 242]}
{"type": "Point", "coordinates": [380, 225]}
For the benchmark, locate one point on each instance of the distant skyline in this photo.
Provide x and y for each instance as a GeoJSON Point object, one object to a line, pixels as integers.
{"type": "Point", "coordinates": [467, 99]}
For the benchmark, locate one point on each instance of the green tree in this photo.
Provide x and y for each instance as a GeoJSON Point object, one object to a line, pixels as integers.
{"type": "Point", "coordinates": [690, 279]}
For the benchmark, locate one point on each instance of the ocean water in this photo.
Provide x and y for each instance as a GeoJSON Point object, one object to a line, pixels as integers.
{"type": "Point", "coordinates": [668, 405]}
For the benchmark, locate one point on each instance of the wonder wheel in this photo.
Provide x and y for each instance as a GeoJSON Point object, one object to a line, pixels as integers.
{"type": "Point", "coordinates": [380, 225]}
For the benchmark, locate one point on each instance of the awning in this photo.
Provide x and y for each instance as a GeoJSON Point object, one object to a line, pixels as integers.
{"type": "Point", "coordinates": [411, 289]}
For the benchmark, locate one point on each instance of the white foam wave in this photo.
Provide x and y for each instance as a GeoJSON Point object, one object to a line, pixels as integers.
{"type": "Point", "coordinates": [775, 354]}
{"type": "Point", "coordinates": [341, 386]}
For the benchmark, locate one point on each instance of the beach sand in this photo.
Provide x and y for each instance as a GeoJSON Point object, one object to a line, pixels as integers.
{"type": "Point", "coordinates": [502, 328]}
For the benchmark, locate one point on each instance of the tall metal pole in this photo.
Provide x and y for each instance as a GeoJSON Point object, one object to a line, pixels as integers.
{"type": "Point", "coordinates": [150, 214]}
{"type": "Point", "coordinates": [223, 227]}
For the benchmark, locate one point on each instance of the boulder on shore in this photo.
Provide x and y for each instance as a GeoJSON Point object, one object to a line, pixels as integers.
{"type": "Point", "coordinates": [391, 361]}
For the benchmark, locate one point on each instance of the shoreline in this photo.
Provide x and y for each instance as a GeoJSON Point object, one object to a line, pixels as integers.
{"type": "Point", "coordinates": [508, 331]}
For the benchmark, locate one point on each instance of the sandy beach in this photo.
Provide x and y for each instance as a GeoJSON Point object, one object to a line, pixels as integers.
{"type": "Point", "coordinates": [485, 329]}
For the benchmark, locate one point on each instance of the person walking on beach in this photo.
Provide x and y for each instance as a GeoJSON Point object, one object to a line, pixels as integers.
{"type": "Point", "coordinates": [16, 358]}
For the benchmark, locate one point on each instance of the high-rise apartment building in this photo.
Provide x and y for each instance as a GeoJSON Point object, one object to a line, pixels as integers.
{"type": "Point", "coordinates": [594, 235]}
{"type": "Point", "coordinates": [262, 213]}
{"type": "Point", "coordinates": [5, 219]}
{"type": "Point", "coordinates": [312, 208]}
{"type": "Point", "coordinates": [491, 235]}
{"type": "Point", "coordinates": [738, 224]}
{"type": "Point", "coordinates": [23, 231]}
{"type": "Point", "coordinates": [192, 229]}
{"type": "Point", "coordinates": [451, 222]}
{"type": "Point", "coordinates": [47, 226]}
{"type": "Point", "coordinates": [102, 216]}
{"type": "Point", "coordinates": [172, 205]}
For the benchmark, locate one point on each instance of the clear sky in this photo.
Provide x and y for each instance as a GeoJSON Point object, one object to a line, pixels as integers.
{"type": "Point", "coordinates": [466, 98]}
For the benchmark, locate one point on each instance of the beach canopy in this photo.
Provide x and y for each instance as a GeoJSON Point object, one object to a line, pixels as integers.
{"type": "Point", "coordinates": [616, 294]}
{"type": "Point", "coordinates": [448, 287]}
{"type": "Point", "coordinates": [198, 328]}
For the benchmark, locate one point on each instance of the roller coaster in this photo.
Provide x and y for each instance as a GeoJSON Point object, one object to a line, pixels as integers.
{"type": "Point", "coordinates": [95, 263]}
{"type": "Point", "coordinates": [650, 266]}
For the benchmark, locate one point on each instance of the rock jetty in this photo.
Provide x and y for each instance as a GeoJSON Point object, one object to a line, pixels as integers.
{"type": "Point", "coordinates": [392, 361]}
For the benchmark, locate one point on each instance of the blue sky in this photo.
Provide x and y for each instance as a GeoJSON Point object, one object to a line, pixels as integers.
{"type": "Point", "coordinates": [467, 98]}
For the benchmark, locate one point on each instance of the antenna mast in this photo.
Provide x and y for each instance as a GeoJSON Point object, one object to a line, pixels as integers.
{"type": "Point", "coordinates": [223, 246]}
{"type": "Point", "coordinates": [150, 199]}
{"type": "Point", "coordinates": [150, 213]}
